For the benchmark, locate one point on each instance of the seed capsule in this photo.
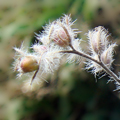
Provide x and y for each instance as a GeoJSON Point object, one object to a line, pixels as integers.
{"type": "Point", "coordinates": [29, 64]}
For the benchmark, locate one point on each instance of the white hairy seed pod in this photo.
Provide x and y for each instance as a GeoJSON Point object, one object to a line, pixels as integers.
{"type": "Point", "coordinates": [100, 47]}
{"type": "Point", "coordinates": [29, 64]}
{"type": "Point", "coordinates": [107, 55]}
{"type": "Point", "coordinates": [39, 48]}
{"type": "Point", "coordinates": [60, 35]}
{"type": "Point", "coordinates": [98, 40]}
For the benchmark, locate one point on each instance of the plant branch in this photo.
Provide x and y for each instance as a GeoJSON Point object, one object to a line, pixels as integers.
{"type": "Point", "coordinates": [107, 70]}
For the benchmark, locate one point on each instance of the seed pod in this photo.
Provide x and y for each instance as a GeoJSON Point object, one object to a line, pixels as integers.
{"type": "Point", "coordinates": [61, 37]}
{"type": "Point", "coordinates": [29, 64]}
{"type": "Point", "coordinates": [59, 33]}
{"type": "Point", "coordinates": [98, 40]}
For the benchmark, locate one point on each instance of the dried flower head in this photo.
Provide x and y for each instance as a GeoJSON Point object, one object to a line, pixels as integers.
{"type": "Point", "coordinates": [59, 38]}
{"type": "Point", "coordinates": [101, 49]}
{"type": "Point", "coordinates": [25, 62]}
{"type": "Point", "coordinates": [44, 60]}
{"type": "Point", "coordinates": [59, 31]}
{"type": "Point", "coordinates": [60, 34]}
{"type": "Point", "coordinates": [107, 55]}
{"type": "Point", "coordinates": [98, 40]}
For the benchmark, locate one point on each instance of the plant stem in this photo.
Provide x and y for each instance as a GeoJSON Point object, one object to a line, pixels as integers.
{"type": "Point", "coordinates": [107, 70]}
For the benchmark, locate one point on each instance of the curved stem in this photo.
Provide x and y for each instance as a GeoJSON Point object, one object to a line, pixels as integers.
{"type": "Point", "coordinates": [36, 70]}
{"type": "Point", "coordinates": [107, 70]}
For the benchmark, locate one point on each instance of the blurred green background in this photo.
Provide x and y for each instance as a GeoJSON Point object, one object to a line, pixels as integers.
{"type": "Point", "coordinates": [72, 93]}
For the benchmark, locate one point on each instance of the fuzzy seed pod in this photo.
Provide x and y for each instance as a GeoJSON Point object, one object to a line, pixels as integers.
{"type": "Point", "coordinates": [29, 64]}
{"type": "Point", "coordinates": [98, 40]}
{"type": "Point", "coordinates": [60, 35]}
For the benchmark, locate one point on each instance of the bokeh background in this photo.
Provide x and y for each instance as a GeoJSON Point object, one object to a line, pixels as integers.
{"type": "Point", "coordinates": [71, 93]}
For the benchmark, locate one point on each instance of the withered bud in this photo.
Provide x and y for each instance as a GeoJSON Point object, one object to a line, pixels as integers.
{"type": "Point", "coordinates": [60, 35]}
{"type": "Point", "coordinates": [98, 39]}
{"type": "Point", "coordinates": [39, 48]}
{"type": "Point", "coordinates": [29, 64]}
{"type": "Point", "coordinates": [107, 55]}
